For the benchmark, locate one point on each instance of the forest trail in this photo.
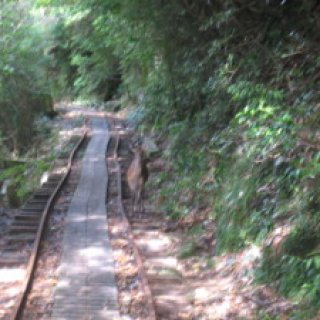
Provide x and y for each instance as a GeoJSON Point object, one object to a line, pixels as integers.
{"type": "Point", "coordinates": [86, 288]}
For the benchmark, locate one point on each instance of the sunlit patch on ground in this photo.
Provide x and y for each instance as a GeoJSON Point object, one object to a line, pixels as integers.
{"type": "Point", "coordinates": [10, 280]}
{"type": "Point", "coordinates": [11, 275]}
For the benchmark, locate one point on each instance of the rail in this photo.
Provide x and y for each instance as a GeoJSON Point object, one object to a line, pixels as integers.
{"type": "Point", "coordinates": [31, 266]}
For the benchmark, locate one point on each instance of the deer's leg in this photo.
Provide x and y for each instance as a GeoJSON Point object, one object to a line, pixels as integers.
{"type": "Point", "coordinates": [142, 201]}
{"type": "Point", "coordinates": [139, 200]}
{"type": "Point", "coordinates": [141, 205]}
{"type": "Point", "coordinates": [133, 202]}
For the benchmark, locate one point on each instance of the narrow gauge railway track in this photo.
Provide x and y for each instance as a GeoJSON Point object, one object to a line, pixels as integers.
{"type": "Point", "coordinates": [22, 243]}
{"type": "Point", "coordinates": [116, 178]}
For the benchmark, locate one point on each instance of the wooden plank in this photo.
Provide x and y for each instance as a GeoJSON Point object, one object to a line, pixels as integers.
{"type": "Point", "coordinates": [87, 249]}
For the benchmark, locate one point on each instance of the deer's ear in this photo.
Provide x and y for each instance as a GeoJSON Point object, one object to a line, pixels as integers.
{"type": "Point", "coordinates": [131, 147]}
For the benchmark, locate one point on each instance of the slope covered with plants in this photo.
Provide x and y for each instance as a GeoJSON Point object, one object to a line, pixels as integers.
{"type": "Point", "coordinates": [24, 99]}
{"type": "Point", "coordinates": [231, 88]}
{"type": "Point", "coordinates": [23, 85]}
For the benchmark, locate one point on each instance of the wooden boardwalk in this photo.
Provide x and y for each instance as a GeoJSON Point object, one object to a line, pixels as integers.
{"type": "Point", "coordinates": [86, 288]}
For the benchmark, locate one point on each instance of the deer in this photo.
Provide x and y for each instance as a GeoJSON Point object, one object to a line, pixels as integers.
{"type": "Point", "coordinates": [137, 176]}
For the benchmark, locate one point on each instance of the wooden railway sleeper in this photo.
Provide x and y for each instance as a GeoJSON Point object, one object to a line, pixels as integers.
{"type": "Point", "coordinates": [23, 228]}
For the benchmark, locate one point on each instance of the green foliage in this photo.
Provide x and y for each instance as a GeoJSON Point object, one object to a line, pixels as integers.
{"type": "Point", "coordinates": [188, 250]}
{"type": "Point", "coordinates": [293, 276]}
{"type": "Point", "coordinates": [247, 201]}
{"type": "Point", "coordinates": [304, 238]}
{"type": "Point", "coordinates": [295, 271]}
{"type": "Point", "coordinates": [23, 175]}
{"type": "Point", "coordinates": [191, 181]}
{"type": "Point", "coordinates": [22, 74]}
{"type": "Point", "coordinates": [23, 179]}
{"type": "Point", "coordinates": [84, 65]}
{"type": "Point", "coordinates": [263, 116]}
{"type": "Point", "coordinates": [263, 315]}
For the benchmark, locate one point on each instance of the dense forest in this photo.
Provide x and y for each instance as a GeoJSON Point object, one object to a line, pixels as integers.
{"type": "Point", "coordinates": [230, 90]}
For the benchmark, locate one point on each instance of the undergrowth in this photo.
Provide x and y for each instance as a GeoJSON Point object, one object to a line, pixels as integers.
{"type": "Point", "coordinates": [22, 175]}
{"type": "Point", "coordinates": [257, 177]}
